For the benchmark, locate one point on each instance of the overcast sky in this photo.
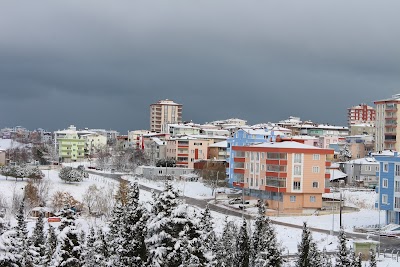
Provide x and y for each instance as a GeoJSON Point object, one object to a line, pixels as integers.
{"type": "Point", "coordinates": [100, 64]}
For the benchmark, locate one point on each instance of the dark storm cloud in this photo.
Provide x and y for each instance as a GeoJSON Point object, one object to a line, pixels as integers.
{"type": "Point", "coordinates": [100, 64]}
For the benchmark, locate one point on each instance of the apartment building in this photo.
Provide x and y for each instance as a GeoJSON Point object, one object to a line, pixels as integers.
{"type": "Point", "coordinates": [362, 171]}
{"type": "Point", "coordinates": [389, 187]}
{"type": "Point", "coordinates": [361, 114]}
{"type": "Point", "coordinates": [162, 113]}
{"type": "Point", "coordinates": [291, 176]}
{"type": "Point", "coordinates": [70, 144]}
{"type": "Point", "coordinates": [387, 130]}
{"type": "Point", "coordinates": [93, 142]}
{"type": "Point", "coordinates": [245, 137]}
{"type": "Point", "coordinates": [186, 150]}
{"type": "Point", "coordinates": [217, 151]}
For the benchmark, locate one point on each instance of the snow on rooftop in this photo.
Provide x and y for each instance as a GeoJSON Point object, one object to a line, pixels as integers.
{"type": "Point", "coordinates": [286, 144]}
{"type": "Point", "coordinates": [6, 144]}
{"type": "Point", "coordinates": [367, 160]}
{"type": "Point", "coordinates": [223, 144]}
{"type": "Point", "coordinates": [336, 174]}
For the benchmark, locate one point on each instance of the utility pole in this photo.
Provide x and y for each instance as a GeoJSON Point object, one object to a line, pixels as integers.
{"type": "Point", "coordinates": [340, 210]}
{"type": "Point", "coordinates": [215, 191]}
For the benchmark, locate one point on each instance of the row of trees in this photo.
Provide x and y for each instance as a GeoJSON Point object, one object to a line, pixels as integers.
{"type": "Point", "coordinates": [21, 172]}
{"type": "Point", "coordinates": [69, 174]}
{"type": "Point", "coordinates": [120, 159]}
{"type": "Point", "coordinates": [164, 233]}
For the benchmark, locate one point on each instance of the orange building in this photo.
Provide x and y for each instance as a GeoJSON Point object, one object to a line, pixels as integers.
{"type": "Point", "coordinates": [290, 176]}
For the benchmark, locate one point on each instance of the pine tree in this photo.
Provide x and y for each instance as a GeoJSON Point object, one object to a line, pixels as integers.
{"type": "Point", "coordinates": [20, 240]}
{"type": "Point", "coordinates": [226, 248]}
{"type": "Point", "coordinates": [37, 248]}
{"type": "Point", "coordinates": [265, 248]}
{"type": "Point", "coordinates": [372, 261]}
{"type": "Point", "coordinates": [304, 248]}
{"type": "Point", "coordinates": [315, 258]}
{"type": "Point", "coordinates": [355, 260]}
{"type": "Point", "coordinates": [133, 251]}
{"type": "Point", "coordinates": [325, 258]}
{"type": "Point", "coordinates": [242, 255]}
{"type": "Point", "coordinates": [171, 233]}
{"type": "Point", "coordinates": [69, 249]}
{"type": "Point", "coordinates": [342, 257]}
{"type": "Point", "coordinates": [206, 226]}
{"type": "Point", "coordinates": [101, 249]}
{"type": "Point", "coordinates": [51, 245]}
{"type": "Point", "coordinates": [89, 253]}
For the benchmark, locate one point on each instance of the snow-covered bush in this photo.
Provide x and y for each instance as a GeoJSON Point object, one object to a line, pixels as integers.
{"type": "Point", "coordinates": [22, 171]}
{"type": "Point", "coordinates": [68, 174]}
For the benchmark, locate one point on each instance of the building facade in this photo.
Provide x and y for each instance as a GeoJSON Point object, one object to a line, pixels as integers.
{"type": "Point", "coordinates": [291, 176]}
{"type": "Point", "coordinates": [360, 114]}
{"type": "Point", "coordinates": [162, 113]}
{"type": "Point", "coordinates": [387, 130]}
{"type": "Point", "coordinates": [389, 187]}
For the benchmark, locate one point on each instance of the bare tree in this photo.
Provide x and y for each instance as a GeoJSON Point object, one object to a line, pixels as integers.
{"type": "Point", "coordinates": [213, 175]}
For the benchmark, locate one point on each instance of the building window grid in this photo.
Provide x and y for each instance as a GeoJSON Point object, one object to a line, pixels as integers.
{"type": "Point", "coordinates": [385, 183]}
{"type": "Point", "coordinates": [315, 169]}
{"type": "Point", "coordinates": [315, 184]}
{"type": "Point", "coordinates": [384, 199]}
{"type": "Point", "coordinates": [397, 170]}
{"type": "Point", "coordinates": [316, 156]}
{"type": "Point", "coordinates": [296, 185]}
{"type": "Point", "coordinates": [292, 198]}
{"type": "Point", "coordinates": [312, 199]}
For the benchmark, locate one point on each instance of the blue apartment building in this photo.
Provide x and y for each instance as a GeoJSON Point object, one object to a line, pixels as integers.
{"type": "Point", "coordinates": [245, 137]}
{"type": "Point", "coordinates": [389, 187]}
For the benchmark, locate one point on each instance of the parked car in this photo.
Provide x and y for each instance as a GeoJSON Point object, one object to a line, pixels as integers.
{"type": "Point", "coordinates": [236, 201]}
{"type": "Point", "coordinates": [81, 167]}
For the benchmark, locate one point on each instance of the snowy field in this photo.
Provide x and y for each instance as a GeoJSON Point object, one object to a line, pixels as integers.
{"type": "Point", "coordinates": [288, 237]}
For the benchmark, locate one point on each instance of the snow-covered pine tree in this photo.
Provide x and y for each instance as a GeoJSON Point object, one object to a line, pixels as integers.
{"type": "Point", "coordinates": [89, 253]}
{"type": "Point", "coordinates": [265, 248]}
{"type": "Point", "coordinates": [51, 245]}
{"type": "Point", "coordinates": [68, 253]}
{"type": "Point", "coordinates": [303, 248]}
{"type": "Point", "coordinates": [315, 256]}
{"type": "Point", "coordinates": [37, 246]}
{"type": "Point", "coordinates": [355, 260]}
{"type": "Point", "coordinates": [372, 261]}
{"type": "Point", "coordinates": [20, 240]}
{"type": "Point", "coordinates": [242, 255]}
{"type": "Point", "coordinates": [225, 250]}
{"type": "Point", "coordinates": [133, 251]}
{"type": "Point", "coordinates": [208, 234]}
{"type": "Point", "coordinates": [166, 227]}
{"type": "Point", "coordinates": [191, 248]}
{"type": "Point", "coordinates": [326, 259]}
{"type": "Point", "coordinates": [342, 257]}
{"type": "Point", "coordinates": [101, 249]}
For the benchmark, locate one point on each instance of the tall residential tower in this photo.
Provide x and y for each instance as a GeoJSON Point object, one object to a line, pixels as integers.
{"type": "Point", "coordinates": [162, 113]}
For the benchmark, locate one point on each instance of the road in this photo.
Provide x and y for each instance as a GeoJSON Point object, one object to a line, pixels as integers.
{"type": "Point", "coordinates": [387, 243]}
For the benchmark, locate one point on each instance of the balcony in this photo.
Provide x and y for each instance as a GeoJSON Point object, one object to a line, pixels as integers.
{"type": "Point", "coordinates": [238, 170]}
{"type": "Point", "coordinates": [276, 174]}
{"type": "Point", "coordinates": [275, 189]}
{"type": "Point", "coordinates": [239, 159]}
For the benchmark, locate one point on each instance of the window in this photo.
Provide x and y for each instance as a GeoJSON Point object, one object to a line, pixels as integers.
{"type": "Point", "coordinates": [316, 156]}
{"type": "Point", "coordinates": [296, 185]}
{"type": "Point", "coordinates": [292, 198]}
{"type": "Point", "coordinates": [257, 167]}
{"type": "Point", "coordinates": [397, 202]}
{"type": "Point", "coordinates": [262, 167]}
{"type": "Point", "coordinates": [252, 155]}
{"type": "Point", "coordinates": [262, 181]}
{"type": "Point", "coordinates": [315, 184]}
{"type": "Point", "coordinates": [297, 170]}
{"type": "Point", "coordinates": [384, 199]}
{"type": "Point", "coordinates": [315, 169]}
{"type": "Point", "coordinates": [368, 168]}
{"type": "Point", "coordinates": [385, 183]}
{"type": "Point", "coordinates": [251, 182]}
{"type": "Point", "coordinates": [385, 167]}
{"type": "Point", "coordinates": [251, 167]}
{"type": "Point", "coordinates": [312, 198]}
{"type": "Point", "coordinates": [397, 171]}
{"type": "Point", "coordinates": [262, 155]}
{"type": "Point", "coordinates": [258, 156]}
{"type": "Point", "coordinates": [297, 158]}
{"type": "Point", "coordinates": [397, 186]}
{"type": "Point", "coordinates": [256, 182]}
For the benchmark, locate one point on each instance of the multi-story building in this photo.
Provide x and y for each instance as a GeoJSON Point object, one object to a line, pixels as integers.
{"type": "Point", "coordinates": [93, 142]}
{"type": "Point", "coordinates": [135, 138]}
{"type": "Point", "coordinates": [389, 187]}
{"type": "Point", "coordinates": [360, 114]}
{"type": "Point", "coordinates": [217, 151]}
{"type": "Point", "coordinates": [387, 130]}
{"type": "Point", "coordinates": [162, 113]}
{"type": "Point", "coordinates": [362, 128]}
{"type": "Point", "coordinates": [361, 171]}
{"type": "Point", "coordinates": [291, 176]}
{"type": "Point", "coordinates": [70, 144]}
{"type": "Point", "coordinates": [2, 157]}
{"type": "Point", "coordinates": [246, 137]}
{"type": "Point", "coordinates": [186, 150]}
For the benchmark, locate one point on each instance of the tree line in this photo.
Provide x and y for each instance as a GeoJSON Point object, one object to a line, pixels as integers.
{"type": "Point", "coordinates": [164, 232]}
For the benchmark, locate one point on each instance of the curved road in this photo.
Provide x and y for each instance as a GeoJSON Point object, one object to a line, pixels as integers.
{"type": "Point", "coordinates": [387, 243]}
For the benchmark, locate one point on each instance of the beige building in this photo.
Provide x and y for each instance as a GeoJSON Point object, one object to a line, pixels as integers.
{"type": "Point", "coordinates": [162, 113]}
{"type": "Point", "coordinates": [2, 157]}
{"type": "Point", "coordinates": [93, 142]}
{"type": "Point", "coordinates": [387, 124]}
{"type": "Point", "coordinates": [187, 150]}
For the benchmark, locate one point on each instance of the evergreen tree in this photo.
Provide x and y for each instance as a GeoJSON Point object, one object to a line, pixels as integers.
{"type": "Point", "coordinates": [20, 240]}
{"type": "Point", "coordinates": [133, 250]}
{"type": "Point", "coordinates": [372, 261]}
{"type": "Point", "coordinates": [37, 247]}
{"type": "Point", "coordinates": [265, 248]}
{"type": "Point", "coordinates": [69, 250]}
{"type": "Point", "coordinates": [226, 248]}
{"type": "Point", "coordinates": [207, 227]}
{"type": "Point", "coordinates": [355, 260]}
{"type": "Point", "coordinates": [342, 257]}
{"type": "Point", "coordinates": [101, 249]}
{"type": "Point", "coordinates": [242, 255]}
{"type": "Point", "coordinates": [325, 258]}
{"type": "Point", "coordinates": [315, 258]}
{"type": "Point", "coordinates": [51, 245]}
{"type": "Point", "coordinates": [168, 224]}
{"type": "Point", "coordinates": [304, 248]}
{"type": "Point", "coordinates": [89, 253]}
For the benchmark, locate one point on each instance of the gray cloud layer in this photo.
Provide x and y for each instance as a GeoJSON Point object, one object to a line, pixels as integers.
{"type": "Point", "coordinates": [101, 63]}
